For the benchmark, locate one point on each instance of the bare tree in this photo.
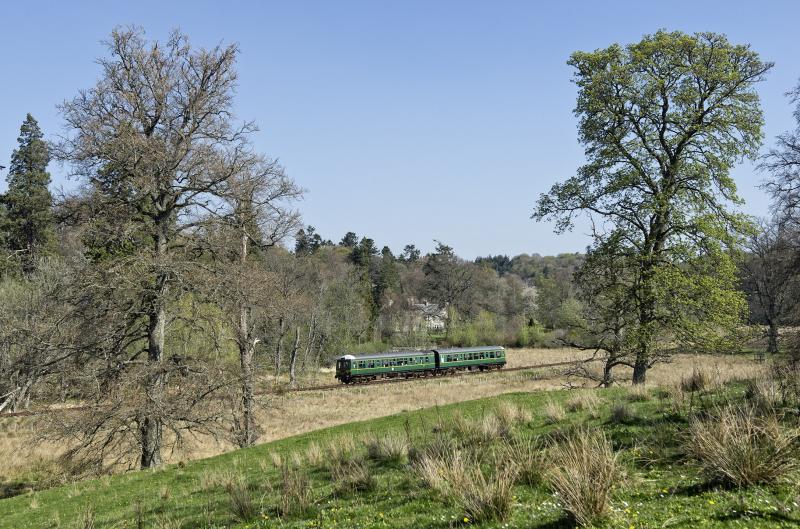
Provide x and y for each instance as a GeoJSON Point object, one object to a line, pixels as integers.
{"type": "Point", "coordinates": [156, 135]}
{"type": "Point", "coordinates": [783, 164]}
{"type": "Point", "coordinates": [257, 215]}
{"type": "Point", "coordinates": [770, 274]}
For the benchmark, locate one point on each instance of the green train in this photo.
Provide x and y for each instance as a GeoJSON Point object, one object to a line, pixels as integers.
{"type": "Point", "coordinates": [433, 362]}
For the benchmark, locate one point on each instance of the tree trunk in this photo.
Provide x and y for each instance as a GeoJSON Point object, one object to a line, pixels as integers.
{"type": "Point", "coordinates": [246, 352]}
{"type": "Point", "coordinates": [772, 336]}
{"type": "Point", "coordinates": [279, 347]}
{"type": "Point", "coordinates": [293, 357]}
{"type": "Point", "coordinates": [150, 422]}
{"type": "Point", "coordinates": [640, 370]}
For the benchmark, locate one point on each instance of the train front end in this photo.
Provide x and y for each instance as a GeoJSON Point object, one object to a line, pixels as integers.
{"type": "Point", "coordinates": [344, 366]}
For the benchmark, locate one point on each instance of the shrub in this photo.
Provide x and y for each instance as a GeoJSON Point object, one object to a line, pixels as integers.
{"type": "Point", "coordinates": [697, 381]}
{"type": "Point", "coordinates": [354, 475]}
{"type": "Point", "coordinates": [742, 449]}
{"type": "Point", "coordinates": [240, 500]}
{"type": "Point", "coordinates": [390, 449]}
{"type": "Point", "coordinates": [583, 400]}
{"type": "Point", "coordinates": [553, 412]}
{"type": "Point", "coordinates": [584, 471]}
{"type": "Point", "coordinates": [297, 496]}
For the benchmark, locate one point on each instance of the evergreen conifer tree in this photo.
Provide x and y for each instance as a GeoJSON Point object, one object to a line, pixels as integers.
{"type": "Point", "coordinates": [28, 215]}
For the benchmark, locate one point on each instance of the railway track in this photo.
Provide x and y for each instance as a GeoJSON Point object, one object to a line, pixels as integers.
{"type": "Point", "coordinates": [329, 387]}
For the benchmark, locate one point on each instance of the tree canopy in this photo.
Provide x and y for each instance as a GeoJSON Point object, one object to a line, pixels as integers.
{"type": "Point", "coordinates": [663, 121]}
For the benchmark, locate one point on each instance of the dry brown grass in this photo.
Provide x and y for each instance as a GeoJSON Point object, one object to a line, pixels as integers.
{"type": "Point", "coordinates": [740, 447]}
{"type": "Point", "coordinates": [510, 414]}
{"type": "Point", "coordinates": [315, 455]}
{"type": "Point", "coordinates": [297, 495]}
{"type": "Point", "coordinates": [295, 413]}
{"type": "Point", "coordinates": [583, 400]}
{"type": "Point", "coordinates": [584, 471]}
{"type": "Point", "coordinates": [353, 475]}
{"type": "Point", "coordinates": [390, 449]}
{"type": "Point", "coordinates": [553, 412]}
{"type": "Point", "coordinates": [459, 478]}
{"type": "Point", "coordinates": [240, 499]}
{"type": "Point", "coordinates": [638, 393]}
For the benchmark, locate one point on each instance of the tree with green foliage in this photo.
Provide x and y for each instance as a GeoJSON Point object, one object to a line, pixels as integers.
{"type": "Point", "coordinates": [663, 121]}
{"type": "Point", "coordinates": [410, 254]}
{"type": "Point", "coordinates": [28, 216]}
{"type": "Point", "coordinates": [349, 240]}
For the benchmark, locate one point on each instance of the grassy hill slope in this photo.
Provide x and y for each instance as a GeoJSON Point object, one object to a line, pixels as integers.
{"type": "Point", "coordinates": [659, 485]}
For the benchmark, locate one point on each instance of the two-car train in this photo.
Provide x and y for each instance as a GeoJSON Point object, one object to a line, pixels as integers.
{"type": "Point", "coordinates": [433, 362]}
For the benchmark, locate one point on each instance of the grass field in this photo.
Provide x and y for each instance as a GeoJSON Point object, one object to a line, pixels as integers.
{"type": "Point", "coordinates": [659, 485]}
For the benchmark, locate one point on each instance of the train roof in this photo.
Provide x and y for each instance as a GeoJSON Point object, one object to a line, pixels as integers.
{"type": "Point", "coordinates": [470, 349]}
{"type": "Point", "coordinates": [395, 354]}
{"type": "Point", "coordinates": [390, 354]}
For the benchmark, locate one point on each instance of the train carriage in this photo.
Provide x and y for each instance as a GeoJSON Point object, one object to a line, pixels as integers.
{"type": "Point", "coordinates": [492, 357]}
{"type": "Point", "coordinates": [351, 368]}
{"type": "Point", "coordinates": [364, 368]}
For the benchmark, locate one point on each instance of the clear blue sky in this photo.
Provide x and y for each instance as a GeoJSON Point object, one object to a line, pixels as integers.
{"type": "Point", "coordinates": [406, 121]}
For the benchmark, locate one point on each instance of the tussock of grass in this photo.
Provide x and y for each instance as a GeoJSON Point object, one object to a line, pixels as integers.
{"type": "Point", "coordinates": [240, 500]}
{"type": "Point", "coordinates": [741, 448]}
{"type": "Point", "coordinates": [297, 495]}
{"type": "Point", "coordinates": [638, 393]}
{"type": "Point", "coordinates": [697, 381]}
{"type": "Point", "coordinates": [510, 414]}
{"type": "Point", "coordinates": [353, 475]}
{"type": "Point", "coordinates": [763, 394]}
{"type": "Point", "coordinates": [583, 400]}
{"type": "Point", "coordinates": [553, 412]}
{"type": "Point", "coordinates": [315, 455]}
{"type": "Point", "coordinates": [621, 414]}
{"type": "Point", "coordinates": [525, 455]}
{"type": "Point", "coordinates": [341, 450]}
{"type": "Point", "coordinates": [583, 471]}
{"type": "Point", "coordinates": [389, 449]}
{"type": "Point", "coordinates": [460, 479]}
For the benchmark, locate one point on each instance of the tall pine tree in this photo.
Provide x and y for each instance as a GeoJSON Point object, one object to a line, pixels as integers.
{"type": "Point", "coordinates": [28, 222]}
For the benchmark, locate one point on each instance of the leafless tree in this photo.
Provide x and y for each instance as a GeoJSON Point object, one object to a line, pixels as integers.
{"type": "Point", "coordinates": [156, 135]}
{"type": "Point", "coordinates": [770, 274]}
{"type": "Point", "coordinates": [256, 214]}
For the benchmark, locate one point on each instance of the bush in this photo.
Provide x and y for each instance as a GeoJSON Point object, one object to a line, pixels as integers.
{"type": "Point", "coordinates": [742, 449]}
{"type": "Point", "coordinates": [584, 471]}
{"type": "Point", "coordinates": [296, 493]}
{"type": "Point", "coordinates": [354, 475]}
